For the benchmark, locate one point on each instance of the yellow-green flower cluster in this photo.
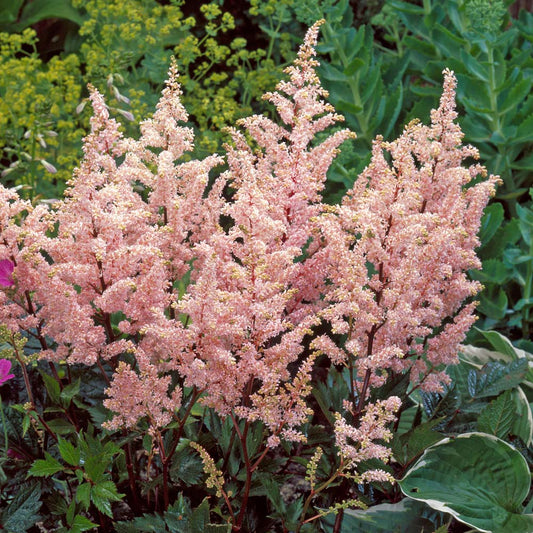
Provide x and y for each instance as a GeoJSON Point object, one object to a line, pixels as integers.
{"type": "Point", "coordinates": [125, 52]}
{"type": "Point", "coordinates": [37, 103]}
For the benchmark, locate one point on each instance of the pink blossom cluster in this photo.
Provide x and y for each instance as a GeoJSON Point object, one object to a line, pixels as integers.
{"type": "Point", "coordinates": [171, 277]}
{"type": "Point", "coordinates": [398, 249]}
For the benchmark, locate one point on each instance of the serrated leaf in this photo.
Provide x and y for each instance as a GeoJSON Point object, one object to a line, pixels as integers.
{"type": "Point", "coordinates": [273, 492]}
{"type": "Point", "coordinates": [525, 223]}
{"type": "Point", "coordinates": [102, 494]}
{"type": "Point", "coordinates": [82, 523]}
{"type": "Point", "coordinates": [69, 392]}
{"type": "Point", "coordinates": [515, 96]}
{"type": "Point", "coordinates": [69, 453]}
{"type": "Point", "coordinates": [495, 308]}
{"type": "Point", "coordinates": [61, 426]}
{"type": "Point", "coordinates": [45, 467]}
{"type": "Point", "coordinates": [83, 494]}
{"type": "Point", "coordinates": [52, 387]}
{"type": "Point", "coordinates": [497, 418]}
{"type": "Point", "coordinates": [493, 271]}
{"type": "Point", "coordinates": [200, 517]}
{"type": "Point", "coordinates": [21, 513]}
{"type": "Point", "coordinates": [524, 132]}
{"type": "Point", "coordinates": [495, 378]}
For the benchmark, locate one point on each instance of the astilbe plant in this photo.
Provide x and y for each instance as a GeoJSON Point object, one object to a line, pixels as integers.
{"type": "Point", "coordinates": [99, 279]}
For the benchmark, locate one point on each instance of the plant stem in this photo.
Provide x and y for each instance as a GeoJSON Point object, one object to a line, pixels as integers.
{"type": "Point", "coordinates": [242, 437]}
{"type": "Point", "coordinates": [131, 475]}
{"type": "Point", "coordinates": [6, 439]}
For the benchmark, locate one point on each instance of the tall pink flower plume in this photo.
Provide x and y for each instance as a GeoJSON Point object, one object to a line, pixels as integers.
{"type": "Point", "coordinates": [253, 302]}
{"type": "Point", "coordinates": [400, 246]}
{"type": "Point", "coordinates": [141, 268]}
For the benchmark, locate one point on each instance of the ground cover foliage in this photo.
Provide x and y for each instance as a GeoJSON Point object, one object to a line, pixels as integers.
{"type": "Point", "coordinates": [273, 338]}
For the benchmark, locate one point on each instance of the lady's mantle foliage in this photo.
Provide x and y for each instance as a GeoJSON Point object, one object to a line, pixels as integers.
{"type": "Point", "coordinates": [100, 273]}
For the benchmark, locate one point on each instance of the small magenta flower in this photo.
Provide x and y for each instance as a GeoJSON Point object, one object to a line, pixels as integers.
{"type": "Point", "coordinates": [6, 273]}
{"type": "Point", "coordinates": [5, 367]}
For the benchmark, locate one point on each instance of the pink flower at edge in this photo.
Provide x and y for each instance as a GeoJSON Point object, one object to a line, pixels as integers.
{"type": "Point", "coordinates": [5, 367]}
{"type": "Point", "coordinates": [6, 273]}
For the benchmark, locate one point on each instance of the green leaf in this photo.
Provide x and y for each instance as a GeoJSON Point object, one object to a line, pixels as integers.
{"type": "Point", "coordinates": [200, 517]}
{"type": "Point", "coordinates": [473, 65]}
{"type": "Point", "coordinates": [9, 12]}
{"type": "Point", "coordinates": [45, 467]}
{"type": "Point", "coordinates": [495, 378]}
{"type": "Point", "coordinates": [403, 517]}
{"type": "Point", "coordinates": [479, 479]}
{"type": "Point", "coordinates": [69, 453]}
{"type": "Point", "coordinates": [69, 392]}
{"type": "Point", "coordinates": [356, 64]}
{"type": "Point", "coordinates": [490, 222]}
{"type": "Point", "coordinates": [95, 467]}
{"type": "Point", "coordinates": [525, 222]}
{"type": "Point", "coordinates": [495, 308]}
{"type": "Point", "coordinates": [273, 492]}
{"type": "Point", "coordinates": [47, 9]}
{"type": "Point", "coordinates": [498, 417]}
{"type": "Point", "coordinates": [523, 417]}
{"type": "Point", "coordinates": [82, 523]}
{"type": "Point", "coordinates": [52, 387]}
{"type": "Point", "coordinates": [415, 441]}
{"type": "Point", "coordinates": [478, 357]}
{"type": "Point", "coordinates": [21, 513]}
{"type": "Point", "coordinates": [83, 494]}
{"type": "Point", "coordinates": [499, 342]}
{"type": "Point", "coordinates": [524, 132]}
{"type": "Point", "coordinates": [323, 404]}
{"type": "Point", "coordinates": [494, 271]}
{"type": "Point", "coordinates": [61, 426]}
{"type": "Point", "coordinates": [186, 468]}
{"type": "Point", "coordinates": [348, 107]}
{"type": "Point", "coordinates": [515, 96]}
{"type": "Point", "coordinates": [331, 73]}
{"type": "Point", "coordinates": [102, 494]}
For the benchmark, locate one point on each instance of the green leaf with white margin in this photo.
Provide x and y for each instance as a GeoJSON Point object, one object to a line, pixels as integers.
{"type": "Point", "coordinates": [478, 478]}
{"type": "Point", "coordinates": [523, 418]}
{"type": "Point", "coordinates": [402, 517]}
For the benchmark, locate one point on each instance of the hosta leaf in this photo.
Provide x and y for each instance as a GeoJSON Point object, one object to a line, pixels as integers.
{"type": "Point", "coordinates": [402, 517]}
{"type": "Point", "coordinates": [523, 417]}
{"type": "Point", "coordinates": [478, 478]}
